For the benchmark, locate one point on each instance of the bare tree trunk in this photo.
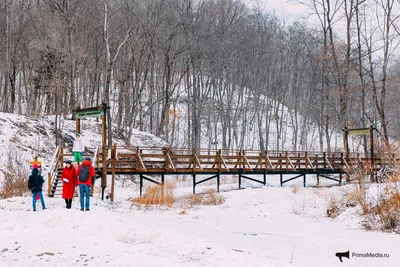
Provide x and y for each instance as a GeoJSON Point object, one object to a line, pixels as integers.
{"type": "Point", "coordinates": [7, 56]}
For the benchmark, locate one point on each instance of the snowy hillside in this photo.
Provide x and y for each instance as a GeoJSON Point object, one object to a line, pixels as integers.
{"type": "Point", "coordinates": [280, 127]}
{"type": "Point", "coordinates": [22, 138]}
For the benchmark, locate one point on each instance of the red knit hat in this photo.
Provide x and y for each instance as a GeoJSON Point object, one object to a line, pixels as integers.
{"type": "Point", "coordinates": [35, 166]}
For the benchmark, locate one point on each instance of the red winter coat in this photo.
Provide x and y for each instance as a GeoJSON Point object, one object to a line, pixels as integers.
{"type": "Point", "coordinates": [91, 172]}
{"type": "Point", "coordinates": [69, 188]}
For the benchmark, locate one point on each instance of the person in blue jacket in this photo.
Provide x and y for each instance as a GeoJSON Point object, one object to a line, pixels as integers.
{"type": "Point", "coordinates": [35, 184]}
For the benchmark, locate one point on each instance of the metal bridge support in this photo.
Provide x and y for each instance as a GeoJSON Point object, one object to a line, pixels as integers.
{"type": "Point", "coordinates": [205, 180]}
{"type": "Point", "coordinates": [143, 177]}
{"type": "Point", "coordinates": [218, 182]}
{"type": "Point", "coordinates": [194, 183]}
{"type": "Point", "coordinates": [251, 179]}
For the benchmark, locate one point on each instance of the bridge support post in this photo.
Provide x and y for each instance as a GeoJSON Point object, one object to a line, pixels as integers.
{"type": "Point", "coordinates": [281, 179]}
{"type": "Point", "coordinates": [240, 181]}
{"type": "Point", "coordinates": [340, 178]}
{"type": "Point", "coordinates": [218, 182]}
{"type": "Point", "coordinates": [265, 179]}
{"type": "Point", "coordinates": [194, 183]}
{"type": "Point", "coordinates": [304, 180]}
{"type": "Point", "coordinates": [317, 179]}
{"type": "Point", "coordinates": [141, 184]}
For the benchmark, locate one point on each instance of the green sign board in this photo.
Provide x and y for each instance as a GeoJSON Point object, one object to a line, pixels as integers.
{"type": "Point", "coordinates": [359, 131]}
{"type": "Point", "coordinates": [89, 113]}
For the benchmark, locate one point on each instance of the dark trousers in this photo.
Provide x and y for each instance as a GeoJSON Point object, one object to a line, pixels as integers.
{"type": "Point", "coordinates": [68, 202]}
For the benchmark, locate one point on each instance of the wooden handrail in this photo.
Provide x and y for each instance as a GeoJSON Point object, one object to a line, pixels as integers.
{"type": "Point", "coordinates": [95, 159]}
{"type": "Point", "coordinates": [52, 170]}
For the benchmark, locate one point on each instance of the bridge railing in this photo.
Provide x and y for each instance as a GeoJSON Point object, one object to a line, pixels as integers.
{"type": "Point", "coordinates": [173, 159]}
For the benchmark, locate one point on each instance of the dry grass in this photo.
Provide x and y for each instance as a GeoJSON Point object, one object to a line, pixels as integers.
{"type": "Point", "coordinates": [14, 186]}
{"type": "Point", "coordinates": [334, 207]}
{"type": "Point", "coordinates": [381, 212]}
{"type": "Point", "coordinates": [388, 212]}
{"type": "Point", "coordinates": [15, 175]}
{"type": "Point", "coordinates": [384, 215]}
{"type": "Point", "coordinates": [355, 197]}
{"type": "Point", "coordinates": [210, 197]}
{"type": "Point", "coordinates": [162, 195]}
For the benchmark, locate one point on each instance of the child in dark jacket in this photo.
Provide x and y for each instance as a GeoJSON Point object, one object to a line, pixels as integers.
{"type": "Point", "coordinates": [35, 184]}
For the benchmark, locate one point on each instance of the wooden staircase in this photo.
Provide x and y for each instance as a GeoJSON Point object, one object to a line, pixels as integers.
{"type": "Point", "coordinates": [54, 182]}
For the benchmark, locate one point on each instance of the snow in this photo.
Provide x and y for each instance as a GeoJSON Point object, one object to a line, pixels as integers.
{"type": "Point", "coordinates": [265, 226]}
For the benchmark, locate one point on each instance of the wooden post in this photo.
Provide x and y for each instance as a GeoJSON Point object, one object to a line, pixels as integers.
{"type": "Point", "coordinates": [104, 152]}
{"type": "Point", "coordinates": [113, 172]}
{"type": "Point", "coordinates": [287, 160]}
{"type": "Point", "coordinates": [219, 160]}
{"type": "Point", "coordinates": [77, 121]}
{"type": "Point", "coordinates": [371, 141]}
{"type": "Point", "coordinates": [346, 142]}
{"type": "Point", "coordinates": [48, 184]}
{"type": "Point", "coordinates": [78, 126]}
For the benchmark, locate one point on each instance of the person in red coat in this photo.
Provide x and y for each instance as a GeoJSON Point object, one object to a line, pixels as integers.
{"type": "Point", "coordinates": [85, 175]}
{"type": "Point", "coordinates": [70, 180]}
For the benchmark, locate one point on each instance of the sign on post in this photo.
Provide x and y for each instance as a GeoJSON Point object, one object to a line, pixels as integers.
{"type": "Point", "coordinates": [359, 131]}
{"type": "Point", "coordinates": [88, 113]}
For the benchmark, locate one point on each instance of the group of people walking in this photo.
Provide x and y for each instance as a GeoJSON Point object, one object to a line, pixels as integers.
{"type": "Point", "coordinates": [71, 177]}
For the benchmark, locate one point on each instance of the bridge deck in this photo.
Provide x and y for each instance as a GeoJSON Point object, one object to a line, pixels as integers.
{"type": "Point", "coordinates": [167, 161]}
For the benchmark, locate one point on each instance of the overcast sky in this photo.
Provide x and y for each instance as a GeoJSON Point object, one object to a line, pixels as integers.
{"type": "Point", "coordinates": [288, 9]}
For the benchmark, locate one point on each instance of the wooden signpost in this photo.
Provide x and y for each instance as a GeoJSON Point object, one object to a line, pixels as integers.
{"type": "Point", "coordinates": [360, 131]}
{"type": "Point", "coordinates": [99, 111]}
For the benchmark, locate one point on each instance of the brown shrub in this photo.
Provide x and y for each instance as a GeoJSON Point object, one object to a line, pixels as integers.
{"type": "Point", "coordinates": [333, 209]}
{"type": "Point", "coordinates": [14, 186]}
{"type": "Point", "coordinates": [15, 175]}
{"type": "Point", "coordinates": [387, 213]}
{"type": "Point", "coordinates": [158, 195]}
{"type": "Point", "coordinates": [210, 197]}
{"type": "Point", "coordinates": [194, 200]}
{"type": "Point", "coordinates": [355, 197]}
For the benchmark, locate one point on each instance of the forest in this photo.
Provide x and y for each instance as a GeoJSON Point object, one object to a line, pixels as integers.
{"type": "Point", "coordinates": [206, 72]}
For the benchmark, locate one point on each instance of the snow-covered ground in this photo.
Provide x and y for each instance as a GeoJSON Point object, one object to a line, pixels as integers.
{"type": "Point", "coordinates": [259, 226]}
{"type": "Point", "coordinates": [266, 226]}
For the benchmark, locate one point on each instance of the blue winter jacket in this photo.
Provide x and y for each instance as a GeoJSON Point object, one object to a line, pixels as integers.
{"type": "Point", "coordinates": [35, 181]}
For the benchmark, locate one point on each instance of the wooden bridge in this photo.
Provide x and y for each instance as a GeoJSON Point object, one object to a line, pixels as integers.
{"type": "Point", "coordinates": [152, 162]}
